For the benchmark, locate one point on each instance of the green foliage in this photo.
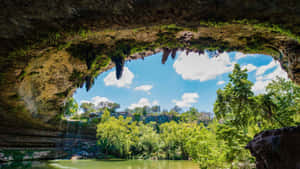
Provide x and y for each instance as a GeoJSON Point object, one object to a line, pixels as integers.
{"type": "Point", "coordinates": [208, 43]}
{"type": "Point", "coordinates": [87, 109]}
{"type": "Point", "coordinates": [280, 104]}
{"type": "Point", "coordinates": [235, 102]}
{"type": "Point", "coordinates": [270, 27]}
{"type": "Point", "coordinates": [204, 147]}
{"type": "Point", "coordinates": [168, 40]}
{"type": "Point", "coordinates": [88, 52]}
{"type": "Point", "coordinates": [244, 114]}
{"type": "Point", "coordinates": [214, 146]}
{"type": "Point", "coordinates": [235, 139]}
{"type": "Point", "coordinates": [71, 107]}
{"type": "Point", "coordinates": [105, 116]}
{"type": "Point", "coordinates": [114, 135]}
{"type": "Point", "coordinates": [253, 23]}
{"type": "Point", "coordinates": [220, 143]}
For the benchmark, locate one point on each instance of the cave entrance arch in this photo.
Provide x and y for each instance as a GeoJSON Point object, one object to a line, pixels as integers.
{"type": "Point", "coordinates": [50, 74]}
{"type": "Point", "coordinates": [38, 70]}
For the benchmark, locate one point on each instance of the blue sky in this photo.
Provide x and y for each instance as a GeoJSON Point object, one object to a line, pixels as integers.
{"type": "Point", "coordinates": [189, 80]}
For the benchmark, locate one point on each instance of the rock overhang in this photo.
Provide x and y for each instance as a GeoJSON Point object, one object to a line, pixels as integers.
{"type": "Point", "coordinates": [52, 48]}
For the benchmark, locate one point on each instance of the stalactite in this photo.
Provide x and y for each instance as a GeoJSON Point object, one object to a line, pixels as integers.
{"type": "Point", "coordinates": [187, 52]}
{"type": "Point", "coordinates": [119, 62]}
{"type": "Point", "coordinates": [174, 51]}
{"type": "Point", "coordinates": [86, 51]}
{"type": "Point", "coordinates": [89, 81]}
{"type": "Point", "coordinates": [166, 53]}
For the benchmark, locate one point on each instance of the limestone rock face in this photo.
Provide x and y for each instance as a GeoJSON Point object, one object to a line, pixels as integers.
{"type": "Point", "coordinates": [34, 85]}
{"type": "Point", "coordinates": [277, 149]}
{"type": "Point", "coordinates": [20, 144]}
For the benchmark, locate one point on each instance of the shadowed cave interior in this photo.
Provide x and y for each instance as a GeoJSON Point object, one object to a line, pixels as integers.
{"type": "Point", "coordinates": [41, 69]}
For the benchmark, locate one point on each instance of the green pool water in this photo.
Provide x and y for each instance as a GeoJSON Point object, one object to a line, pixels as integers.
{"type": "Point", "coordinates": [100, 164]}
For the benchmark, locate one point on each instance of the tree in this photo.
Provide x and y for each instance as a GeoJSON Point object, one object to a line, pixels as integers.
{"type": "Point", "coordinates": [177, 109]}
{"type": "Point", "coordinates": [155, 109]}
{"type": "Point", "coordinates": [105, 116]}
{"type": "Point", "coordinates": [204, 147]}
{"type": "Point", "coordinates": [280, 104]}
{"type": "Point", "coordinates": [235, 102]}
{"type": "Point", "coordinates": [114, 136]}
{"type": "Point", "coordinates": [113, 106]}
{"type": "Point", "coordinates": [87, 108]}
{"type": "Point", "coordinates": [146, 110]}
{"type": "Point", "coordinates": [235, 141]}
{"type": "Point", "coordinates": [190, 116]}
{"type": "Point", "coordinates": [71, 107]}
{"type": "Point", "coordinates": [286, 96]}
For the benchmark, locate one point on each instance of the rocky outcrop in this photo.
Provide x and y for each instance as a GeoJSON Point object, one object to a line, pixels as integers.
{"type": "Point", "coordinates": [19, 144]}
{"type": "Point", "coordinates": [277, 149]}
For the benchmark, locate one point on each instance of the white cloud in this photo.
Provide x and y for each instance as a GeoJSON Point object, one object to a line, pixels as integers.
{"type": "Point", "coordinates": [145, 88]}
{"type": "Point", "coordinates": [143, 102]}
{"type": "Point", "coordinates": [202, 67]}
{"type": "Point", "coordinates": [96, 100]}
{"type": "Point", "coordinates": [261, 70]}
{"type": "Point", "coordinates": [277, 72]}
{"type": "Point", "coordinates": [124, 81]}
{"type": "Point", "coordinates": [155, 103]}
{"type": "Point", "coordinates": [186, 100]}
{"type": "Point", "coordinates": [249, 67]}
{"type": "Point", "coordinates": [221, 82]}
{"type": "Point", "coordinates": [239, 55]}
{"type": "Point", "coordinates": [263, 80]}
{"type": "Point", "coordinates": [259, 78]}
{"type": "Point", "coordinates": [260, 86]}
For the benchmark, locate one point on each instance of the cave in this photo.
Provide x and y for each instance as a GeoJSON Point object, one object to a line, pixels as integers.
{"type": "Point", "coordinates": [50, 48]}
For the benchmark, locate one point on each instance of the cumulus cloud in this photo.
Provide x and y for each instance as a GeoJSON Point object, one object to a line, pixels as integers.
{"type": "Point", "coordinates": [202, 67]}
{"type": "Point", "coordinates": [221, 82]}
{"type": "Point", "coordinates": [124, 81]}
{"type": "Point", "coordinates": [145, 88]}
{"type": "Point", "coordinates": [260, 86]}
{"type": "Point", "coordinates": [96, 100]}
{"type": "Point", "coordinates": [249, 67]}
{"type": "Point", "coordinates": [143, 102]}
{"type": "Point", "coordinates": [239, 55]}
{"type": "Point", "coordinates": [186, 100]}
{"type": "Point", "coordinates": [261, 70]}
{"type": "Point", "coordinates": [155, 103]}
{"type": "Point", "coordinates": [263, 80]}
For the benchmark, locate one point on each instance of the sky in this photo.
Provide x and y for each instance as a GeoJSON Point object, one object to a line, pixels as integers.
{"type": "Point", "coordinates": [190, 80]}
